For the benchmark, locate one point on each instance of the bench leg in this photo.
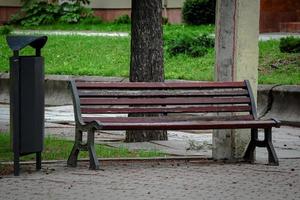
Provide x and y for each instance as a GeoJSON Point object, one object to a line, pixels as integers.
{"type": "Point", "coordinates": [249, 154]}
{"type": "Point", "coordinates": [267, 142]}
{"type": "Point", "coordinates": [273, 159]}
{"type": "Point", "coordinates": [94, 163]}
{"type": "Point", "coordinates": [72, 160]}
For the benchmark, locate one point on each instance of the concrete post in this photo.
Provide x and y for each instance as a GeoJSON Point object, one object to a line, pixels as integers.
{"type": "Point", "coordinates": [237, 31]}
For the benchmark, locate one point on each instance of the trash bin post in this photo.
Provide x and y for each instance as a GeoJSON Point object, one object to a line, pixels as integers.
{"type": "Point", "coordinates": [26, 99]}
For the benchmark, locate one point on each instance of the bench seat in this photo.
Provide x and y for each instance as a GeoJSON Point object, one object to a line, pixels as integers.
{"type": "Point", "coordinates": [164, 123]}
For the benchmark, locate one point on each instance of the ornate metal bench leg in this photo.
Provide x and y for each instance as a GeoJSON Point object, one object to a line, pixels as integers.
{"type": "Point", "coordinates": [249, 154]}
{"type": "Point", "coordinates": [72, 160]}
{"type": "Point", "coordinates": [94, 163]}
{"type": "Point", "coordinates": [273, 160]}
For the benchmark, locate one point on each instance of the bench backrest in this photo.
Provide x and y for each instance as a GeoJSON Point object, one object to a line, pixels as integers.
{"type": "Point", "coordinates": [170, 97]}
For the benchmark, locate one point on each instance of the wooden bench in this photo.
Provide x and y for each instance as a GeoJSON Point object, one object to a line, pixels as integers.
{"type": "Point", "coordinates": [184, 106]}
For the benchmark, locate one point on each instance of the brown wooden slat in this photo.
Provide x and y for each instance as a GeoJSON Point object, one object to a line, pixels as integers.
{"type": "Point", "coordinates": [152, 85]}
{"type": "Point", "coordinates": [163, 101]}
{"type": "Point", "coordinates": [93, 110]}
{"type": "Point", "coordinates": [166, 119]}
{"type": "Point", "coordinates": [215, 93]}
{"type": "Point", "coordinates": [188, 125]}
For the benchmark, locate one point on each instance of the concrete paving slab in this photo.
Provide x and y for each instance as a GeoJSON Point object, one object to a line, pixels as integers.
{"type": "Point", "coordinates": [286, 141]}
{"type": "Point", "coordinates": [4, 126]}
{"type": "Point", "coordinates": [53, 114]}
{"type": "Point", "coordinates": [59, 114]}
{"type": "Point", "coordinates": [177, 148]}
{"type": "Point", "coordinates": [276, 36]}
{"type": "Point", "coordinates": [50, 125]}
{"type": "Point", "coordinates": [199, 136]}
{"type": "Point", "coordinates": [186, 147]}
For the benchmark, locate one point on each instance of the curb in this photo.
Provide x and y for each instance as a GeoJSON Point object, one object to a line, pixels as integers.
{"type": "Point", "coordinates": [274, 101]}
{"type": "Point", "coordinates": [200, 159]}
{"type": "Point", "coordinates": [281, 102]}
{"type": "Point", "coordinates": [56, 87]}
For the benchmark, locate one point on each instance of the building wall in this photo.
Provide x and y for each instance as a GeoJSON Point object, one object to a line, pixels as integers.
{"type": "Point", "coordinates": [110, 10]}
{"type": "Point", "coordinates": [107, 10]}
{"type": "Point", "coordinates": [123, 4]}
{"type": "Point", "coordinates": [105, 4]}
{"type": "Point", "coordinates": [10, 3]}
{"type": "Point", "coordinates": [8, 8]}
{"type": "Point", "coordinates": [274, 12]}
{"type": "Point", "coordinates": [173, 14]}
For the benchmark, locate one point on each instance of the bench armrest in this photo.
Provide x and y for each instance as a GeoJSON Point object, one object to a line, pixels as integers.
{"type": "Point", "coordinates": [93, 125]}
{"type": "Point", "coordinates": [278, 123]}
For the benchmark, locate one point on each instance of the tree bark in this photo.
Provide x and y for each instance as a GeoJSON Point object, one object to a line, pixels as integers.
{"type": "Point", "coordinates": [146, 64]}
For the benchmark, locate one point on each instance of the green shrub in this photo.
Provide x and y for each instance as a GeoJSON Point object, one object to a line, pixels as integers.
{"type": "Point", "coordinates": [165, 21]}
{"type": "Point", "coordinates": [198, 12]}
{"type": "Point", "coordinates": [70, 13]}
{"type": "Point", "coordinates": [5, 30]}
{"type": "Point", "coordinates": [194, 46]}
{"type": "Point", "coordinates": [92, 20]}
{"type": "Point", "coordinates": [69, 18]}
{"type": "Point", "coordinates": [36, 14]}
{"type": "Point", "coordinates": [290, 45]}
{"type": "Point", "coordinates": [123, 19]}
{"type": "Point", "coordinates": [43, 13]}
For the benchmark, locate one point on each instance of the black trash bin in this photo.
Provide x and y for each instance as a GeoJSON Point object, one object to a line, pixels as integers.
{"type": "Point", "coordinates": [26, 98]}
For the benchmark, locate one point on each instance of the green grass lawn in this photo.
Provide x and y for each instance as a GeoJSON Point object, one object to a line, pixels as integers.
{"type": "Point", "coordinates": [103, 27]}
{"type": "Point", "coordinates": [276, 67]}
{"type": "Point", "coordinates": [111, 27]}
{"type": "Point", "coordinates": [106, 56]}
{"type": "Point", "coordinates": [59, 149]}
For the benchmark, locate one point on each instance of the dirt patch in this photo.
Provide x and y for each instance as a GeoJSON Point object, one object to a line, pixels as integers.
{"type": "Point", "coordinates": [6, 169]}
{"type": "Point", "coordinates": [269, 65]}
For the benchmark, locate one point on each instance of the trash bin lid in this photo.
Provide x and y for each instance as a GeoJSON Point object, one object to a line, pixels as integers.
{"type": "Point", "coordinates": [17, 43]}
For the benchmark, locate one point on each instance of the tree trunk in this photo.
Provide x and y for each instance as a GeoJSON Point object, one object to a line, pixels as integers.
{"type": "Point", "coordinates": [146, 64]}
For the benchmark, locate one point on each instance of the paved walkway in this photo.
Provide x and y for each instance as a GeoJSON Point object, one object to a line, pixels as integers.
{"type": "Point", "coordinates": [276, 36]}
{"type": "Point", "coordinates": [157, 181]}
{"type": "Point", "coordinates": [80, 33]}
